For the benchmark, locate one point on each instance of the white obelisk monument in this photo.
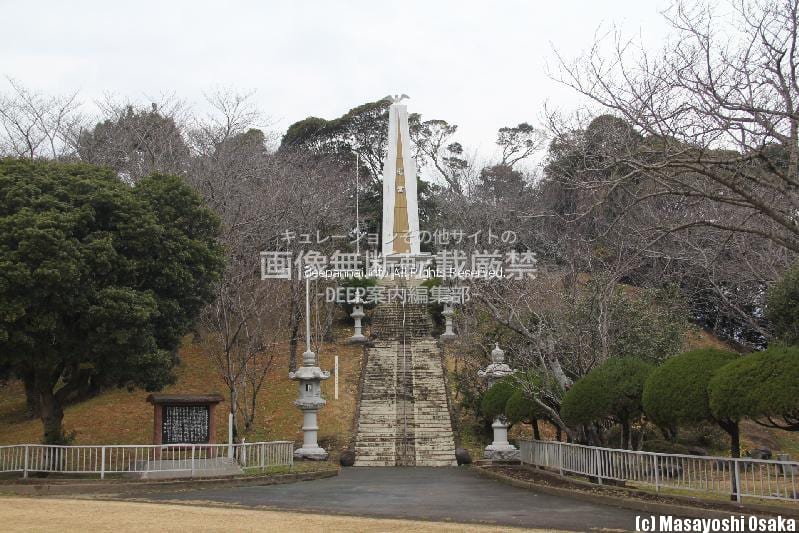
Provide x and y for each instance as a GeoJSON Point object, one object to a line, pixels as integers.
{"type": "Point", "coordinates": [400, 204]}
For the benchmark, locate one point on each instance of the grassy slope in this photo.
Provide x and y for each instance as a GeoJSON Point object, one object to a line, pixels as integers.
{"type": "Point", "coordinates": [121, 417]}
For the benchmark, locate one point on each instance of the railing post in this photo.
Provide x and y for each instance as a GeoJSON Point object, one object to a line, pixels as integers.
{"type": "Point", "coordinates": [230, 435]}
{"type": "Point", "coordinates": [736, 490]}
{"type": "Point", "coordinates": [597, 463]}
{"type": "Point", "coordinates": [25, 466]}
{"type": "Point", "coordinates": [192, 459]}
{"type": "Point", "coordinates": [560, 458]}
{"type": "Point", "coordinates": [102, 462]}
{"type": "Point", "coordinates": [657, 472]}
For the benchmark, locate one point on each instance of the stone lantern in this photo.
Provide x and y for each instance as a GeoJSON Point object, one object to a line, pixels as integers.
{"type": "Point", "coordinates": [448, 312]}
{"type": "Point", "coordinates": [357, 314]}
{"type": "Point", "coordinates": [310, 377]}
{"type": "Point", "coordinates": [500, 449]}
{"type": "Point", "coordinates": [310, 400]}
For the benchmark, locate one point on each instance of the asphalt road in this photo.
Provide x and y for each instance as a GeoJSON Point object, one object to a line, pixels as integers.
{"type": "Point", "coordinates": [439, 494]}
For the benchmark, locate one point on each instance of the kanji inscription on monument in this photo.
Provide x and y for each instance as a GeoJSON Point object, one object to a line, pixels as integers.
{"type": "Point", "coordinates": [184, 424]}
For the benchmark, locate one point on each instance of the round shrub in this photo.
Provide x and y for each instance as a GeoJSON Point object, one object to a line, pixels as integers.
{"type": "Point", "coordinates": [611, 390]}
{"type": "Point", "coordinates": [495, 399]}
{"type": "Point", "coordinates": [676, 392]}
{"type": "Point", "coordinates": [763, 386]}
{"type": "Point", "coordinates": [520, 408]}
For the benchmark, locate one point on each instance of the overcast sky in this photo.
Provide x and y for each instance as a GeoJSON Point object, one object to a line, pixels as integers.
{"type": "Point", "coordinates": [478, 64]}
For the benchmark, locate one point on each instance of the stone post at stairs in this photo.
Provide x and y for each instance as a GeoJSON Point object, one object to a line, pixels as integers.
{"type": "Point", "coordinates": [500, 449]}
{"type": "Point", "coordinates": [447, 313]}
{"type": "Point", "coordinates": [357, 315]}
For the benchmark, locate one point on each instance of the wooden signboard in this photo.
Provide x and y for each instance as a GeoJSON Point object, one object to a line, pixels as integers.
{"type": "Point", "coordinates": [184, 418]}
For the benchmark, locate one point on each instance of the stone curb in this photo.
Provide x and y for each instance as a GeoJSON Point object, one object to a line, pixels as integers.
{"type": "Point", "coordinates": [689, 510]}
{"type": "Point", "coordinates": [70, 487]}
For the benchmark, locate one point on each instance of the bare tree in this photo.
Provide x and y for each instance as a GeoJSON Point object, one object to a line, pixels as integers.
{"type": "Point", "coordinates": [240, 331]}
{"type": "Point", "coordinates": [37, 125]}
{"type": "Point", "coordinates": [267, 200]}
{"type": "Point", "coordinates": [231, 113]}
{"type": "Point", "coordinates": [718, 111]}
{"type": "Point", "coordinates": [137, 140]}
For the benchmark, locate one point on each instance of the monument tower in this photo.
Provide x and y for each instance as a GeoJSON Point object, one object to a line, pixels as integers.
{"type": "Point", "coordinates": [400, 204]}
{"type": "Point", "coordinates": [403, 408]}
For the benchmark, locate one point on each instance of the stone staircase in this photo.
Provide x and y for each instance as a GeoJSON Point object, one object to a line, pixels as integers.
{"type": "Point", "coordinates": [397, 321]}
{"type": "Point", "coordinates": [403, 413]}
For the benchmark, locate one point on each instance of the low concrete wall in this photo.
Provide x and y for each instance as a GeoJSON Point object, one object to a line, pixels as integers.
{"type": "Point", "coordinates": [44, 487]}
{"type": "Point", "coordinates": [204, 468]}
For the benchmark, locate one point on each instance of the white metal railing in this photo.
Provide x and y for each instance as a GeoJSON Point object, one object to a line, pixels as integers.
{"type": "Point", "coordinates": [121, 459]}
{"type": "Point", "coordinates": [726, 476]}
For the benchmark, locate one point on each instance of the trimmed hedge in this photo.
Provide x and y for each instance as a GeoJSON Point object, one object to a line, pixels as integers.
{"type": "Point", "coordinates": [763, 386]}
{"type": "Point", "coordinates": [612, 389]}
{"type": "Point", "coordinates": [676, 392]}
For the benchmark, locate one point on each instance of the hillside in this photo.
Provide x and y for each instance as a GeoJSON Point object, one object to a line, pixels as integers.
{"type": "Point", "coordinates": [706, 436]}
{"type": "Point", "coordinates": [118, 416]}
{"type": "Point", "coordinates": [121, 417]}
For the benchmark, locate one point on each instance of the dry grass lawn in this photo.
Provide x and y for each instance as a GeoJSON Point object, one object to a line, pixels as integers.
{"type": "Point", "coordinates": [62, 515]}
{"type": "Point", "coordinates": [120, 417]}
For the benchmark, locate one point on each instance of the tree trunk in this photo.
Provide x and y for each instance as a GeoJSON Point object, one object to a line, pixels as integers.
{"type": "Point", "coordinates": [294, 329]}
{"type": "Point", "coordinates": [626, 440]}
{"type": "Point", "coordinates": [639, 440]}
{"type": "Point", "coordinates": [734, 431]}
{"type": "Point", "coordinates": [558, 433]}
{"type": "Point", "coordinates": [33, 407]}
{"type": "Point", "coordinates": [735, 441]}
{"type": "Point", "coordinates": [249, 417]}
{"type": "Point", "coordinates": [596, 435]}
{"type": "Point", "coordinates": [536, 431]}
{"type": "Point", "coordinates": [330, 311]}
{"type": "Point", "coordinates": [52, 416]}
{"type": "Point", "coordinates": [234, 401]}
{"type": "Point", "coordinates": [669, 433]}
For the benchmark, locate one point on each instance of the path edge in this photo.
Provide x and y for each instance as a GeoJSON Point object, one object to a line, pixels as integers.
{"type": "Point", "coordinates": [69, 487]}
{"type": "Point", "coordinates": [689, 510]}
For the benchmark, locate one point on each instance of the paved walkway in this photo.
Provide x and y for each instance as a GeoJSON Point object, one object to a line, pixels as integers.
{"type": "Point", "coordinates": [440, 494]}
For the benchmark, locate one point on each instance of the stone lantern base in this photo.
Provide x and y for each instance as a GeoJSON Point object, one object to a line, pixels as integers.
{"type": "Point", "coordinates": [357, 339]}
{"type": "Point", "coordinates": [507, 452]}
{"type": "Point", "coordinates": [311, 454]}
{"type": "Point", "coordinates": [448, 336]}
{"type": "Point", "coordinates": [501, 449]}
